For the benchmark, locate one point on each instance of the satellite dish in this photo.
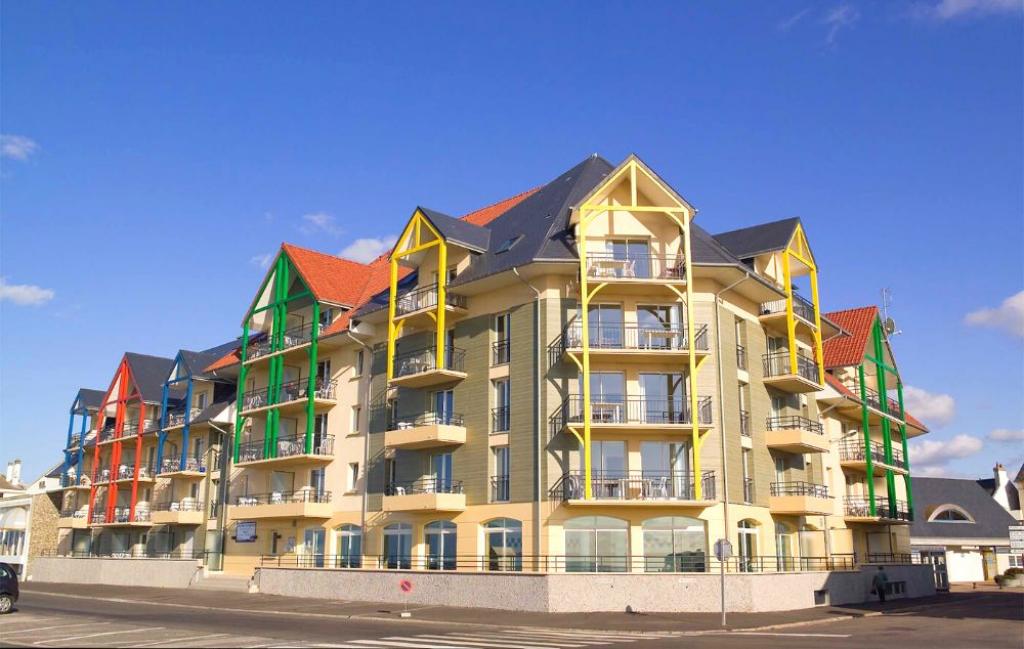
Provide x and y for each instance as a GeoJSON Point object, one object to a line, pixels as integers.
{"type": "Point", "coordinates": [889, 326]}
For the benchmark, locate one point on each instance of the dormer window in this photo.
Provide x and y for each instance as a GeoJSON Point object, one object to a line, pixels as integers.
{"type": "Point", "coordinates": [508, 243]}
{"type": "Point", "coordinates": [326, 317]}
{"type": "Point", "coordinates": [950, 514]}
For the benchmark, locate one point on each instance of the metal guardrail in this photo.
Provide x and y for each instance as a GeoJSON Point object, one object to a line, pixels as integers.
{"type": "Point", "coordinates": [423, 486]}
{"type": "Point", "coordinates": [184, 505]}
{"type": "Point", "coordinates": [292, 337]}
{"type": "Point", "coordinates": [308, 495]}
{"type": "Point", "coordinates": [290, 391]}
{"type": "Point", "coordinates": [631, 337]}
{"type": "Point", "coordinates": [426, 298]}
{"type": "Point", "coordinates": [778, 364]}
{"type": "Point", "coordinates": [852, 450]}
{"type": "Point", "coordinates": [173, 465]}
{"type": "Point", "coordinates": [741, 357]}
{"type": "Point", "coordinates": [131, 554]}
{"type": "Point", "coordinates": [428, 419]}
{"type": "Point", "coordinates": [501, 352]}
{"type": "Point", "coordinates": [290, 446]}
{"type": "Point", "coordinates": [861, 507]}
{"type": "Point", "coordinates": [500, 489]}
{"type": "Point", "coordinates": [748, 490]}
{"type": "Point", "coordinates": [425, 360]}
{"type": "Point", "coordinates": [799, 488]}
{"type": "Point", "coordinates": [635, 266]}
{"type": "Point", "coordinates": [618, 409]}
{"type": "Point", "coordinates": [500, 419]}
{"type": "Point", "coordinates": [634, 485]}
{"type": "Point", "coordinates": [801, 308]}
{"type": "Point", "coordinates": [178, 418]}
{"type": "Point", "coordinates": [794, 422]}
{"type": "Point", "coordinates": [745, 423]}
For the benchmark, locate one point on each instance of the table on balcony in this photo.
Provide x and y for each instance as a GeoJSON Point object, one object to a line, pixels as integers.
{"type": "Point", "coordinates": [605, 412]}
{"type": "Point", "coordinates": [612, 267]}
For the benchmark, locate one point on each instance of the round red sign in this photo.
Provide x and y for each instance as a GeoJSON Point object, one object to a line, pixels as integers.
{"type": "Point", "coordinates": [405, 585]}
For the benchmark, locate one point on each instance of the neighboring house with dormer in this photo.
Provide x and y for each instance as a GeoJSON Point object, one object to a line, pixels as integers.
{"type": "Point", "coordinates": [1008, 494]}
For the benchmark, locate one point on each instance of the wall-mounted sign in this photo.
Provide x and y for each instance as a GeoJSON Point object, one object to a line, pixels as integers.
{"type": "Point", "coordinates": [1017, 538]}
{"type": "Point", "coordinates": [245, 532]}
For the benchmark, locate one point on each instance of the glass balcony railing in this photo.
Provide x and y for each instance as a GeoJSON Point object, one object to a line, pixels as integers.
{"type": "Point", "coordinates": [634, 485]}
{"type": "Point", "coordinates": [426, 298]}
{"type": "Point", "coordinates": [607, 265]}
{"type": "Point", "coordinates": [618, 409]}
{"type": "Point", "coordinates": [778, 364]}
{"type": "Point", "coordinates": [425, 360]}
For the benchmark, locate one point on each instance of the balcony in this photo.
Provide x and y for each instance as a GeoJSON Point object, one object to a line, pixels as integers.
{"type": "Point", "coordinates": [501, 352]}
{"type": "Point", "coordinates": [500, 489]}
{"type": "Point", "coordinates": [773, 314]}
{"type": "Point", "coordinates": [636, 271]}
{"type": "Point", "coordinates": [428, 430]}
{"type": "Point", "coordinates": [188, 511]}
{"type": "Point", "coordinates": [874, 400]}
{"type": "Point", "coordinates": [857, 509]}
{"type": "Point", "coordinates": [741, 358]}
{"type": "Point", "coordinates": [501, 419]}
{"type": "Point", "coordinates": [635, 489]}
{"type": "Point", "coordinates": [172, 468]}
{"type": "Point", "coordinates": [77, 519]}
{"type": "Point", "coordinates": [419, 369]}
{"type": "Point", "coordinates": [744, 423]}
{"type": "Point", "coordinates": [76, 440]}
{"type": "Point", "coordinates": [103, 475]}
{"type": "Point", "coordinates": [123, 518]}
{"type": "Point", "coordinates": [126, 473]}
{"type": "Point", "coordinates": [417, 306]}
{"type": "Point", "coordinates": [852, 455]}
{"type": "Point", "coordinates": [778, 372]}
{"type": "Point", "coordinates": [293, 395]}
{"type": "Point", "coordinates": [629, 342]}
{"type": "Point", "coordinates": [104, 435]}
{"type": "Point", "coordinates": [289, 451]}
{"type": "Point", "coordinates": [617, 413]}
{"type": "Point", "coordinates": [425, 495]}
{"type": "Point", "coordinates": [177, 419]}
{"type": "Point", "coordinates": [795, 434]}
{"type": "Point", "coordinates": [304, 503]}
{"type": "Point", "coordinates": [799, 498]}
{"type": "Point", "coordinates": [292, 338]}
{"type": "Point", "coordinates": [71, 481]}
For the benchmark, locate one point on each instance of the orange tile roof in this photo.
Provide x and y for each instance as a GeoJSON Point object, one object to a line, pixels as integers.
{"type": "Point", "coordinates": [485, 215]}
{"type": "Point", "coordinates": [849, 350]}
{"type": "Point", "coordinates": [330, 278]}
{"type": "Point", "coordinates": [227, 360]}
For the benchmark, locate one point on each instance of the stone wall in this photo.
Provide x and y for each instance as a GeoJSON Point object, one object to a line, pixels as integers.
{"type": "Point", "coordinates": [159, 573]}
{"type": "Point", "coordinates": [565, 593]}
{"type": "Point", "coordinates": [43, 525]}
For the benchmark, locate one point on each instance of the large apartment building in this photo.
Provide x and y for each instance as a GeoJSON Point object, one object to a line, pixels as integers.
{"type": "Point", "coordinates": [578, 378]}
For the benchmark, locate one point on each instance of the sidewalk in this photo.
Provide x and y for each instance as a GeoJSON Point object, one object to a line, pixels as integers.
{"type": "Point", "coordinates": [622, 622]}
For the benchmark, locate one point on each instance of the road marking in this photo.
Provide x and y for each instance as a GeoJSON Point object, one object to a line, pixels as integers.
{"type": "Point", "coordinates": [790, 635]}
{"type": "Point", "coordinates": [394, 643]}
{"type": "Point", "coordinates": [486, 641]}
{"type": "Point", "coordinates": [97, 635]}
{"type": "Point", "coordinates": [186, 639]}
{"type": "Point", "coordinates": [56, 626]}
{"type": "Point", "coordinates": [545, 636]}
{"type": "Point", "coordinates": [591, 637]}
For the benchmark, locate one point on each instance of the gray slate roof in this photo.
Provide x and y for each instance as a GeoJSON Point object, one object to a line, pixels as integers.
{"type": "Point", "coordinates": [211, 412]}
{"type": "Point", "coordinates": [149, 372]}
{"type": "Point", "coordinates": [991, 520]}
{"type": "Point", "coordinates": [196, 361]}
{"type": "Point", "coordinates": [88, 399]}
{"type": "Point", "coordinates": [457, 231]}
{"type": "Point", "coordinates": [1012, 497]}
{"type": "Point", "coordinates": [759, 239]}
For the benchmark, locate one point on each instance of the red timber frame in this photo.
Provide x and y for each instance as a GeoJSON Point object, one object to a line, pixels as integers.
{"type": "Point", "coordinates": [126, 392]}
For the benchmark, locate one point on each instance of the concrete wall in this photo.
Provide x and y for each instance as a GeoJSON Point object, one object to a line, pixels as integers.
{"type": "Point", "coordinates": [159, 573]}
{"type": "Point", "coordinates": [564, 593]}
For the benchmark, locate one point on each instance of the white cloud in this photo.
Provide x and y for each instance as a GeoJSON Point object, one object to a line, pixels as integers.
{"type": "Point", "coordinates": [319, 222]}
{"type": "Point", "coordinates": [17, 147]}
{"type": "Point", "coordinates": [1006, 435]}
{"type": "Point", "coordinates": [938, 409]}
{"type": "Point", "coordinates": [785, 25]}
{"type": "Point", "coordinates": [263, 261]}
{"type": "Point", "coordinates": [954, 9]}
{"type": "Point", "coordinates": [840, 17]}
{"type": "Point", "coordinates": [1008, 316]}
{"type": "Point", "coordinates": [931, 457]}
{"type": "Point", "coordinates": [24, 294]}
{"type": "Point", "coordinates": [366, 250]}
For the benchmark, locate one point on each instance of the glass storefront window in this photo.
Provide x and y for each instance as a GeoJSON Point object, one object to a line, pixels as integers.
{"type": "Point", "coordinates": [675, 544]}
{"type": "Point", "coordinates": [596, 544]}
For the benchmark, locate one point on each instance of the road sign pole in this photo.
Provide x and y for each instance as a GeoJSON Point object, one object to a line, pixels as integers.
{"type": "Point", "coordinates": [723, 550]}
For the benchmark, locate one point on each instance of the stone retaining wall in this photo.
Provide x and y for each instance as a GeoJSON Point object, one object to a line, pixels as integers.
{"type": "Point", "coordinates": [159, 573]}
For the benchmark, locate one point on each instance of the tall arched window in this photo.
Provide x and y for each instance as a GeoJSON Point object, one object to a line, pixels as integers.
{"type": "Point", "coordinates": [441, 545]}
{"type": "Point", "coordinates": [747, 551]}
{"type": "Point", "coordinates": [349, 540]}
{"type": "Point", "coordinates": [674, 544]}
{"type": "Point", "coordinates": [504, 544]}
{"type": "Point", "coordinates": [596, 544]}
{"type": "Point", "coordinates": [398, 545]}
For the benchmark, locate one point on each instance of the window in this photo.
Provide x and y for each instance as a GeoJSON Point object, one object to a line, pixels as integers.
{"type": "Point", "coordinates": [652, 321]}
{"type": "Point", "coordinates": [504, 541]}
{"type": "Point", "coordinates": [950, 514]}
{"type": "Point", "coordinates": [500, 479]}
{"type": "Point", "coordinates": [321, 443]}
{"type": "Point", "coordinates": [502, 398]}
{"type": "Point", "coordinates": [596, 544]}
{"type": "Point", "coordinates": [318, 481]}
{"type": "Point", "coordinates": [441, 545]}
{"type": "Point", "coordinates": [674, 544]}
{"type": "Point", "coordinates": [508, 243]}
{"type": "Point", "coordinates": [663, 399]}
{"type": "Point", "coordinates": [667, 466]}
{"type": "Point", "coordinates": [326, 317]}
{"type": "Point", "coordinates": [350, 546]}
{"type": "Point", "coordinates": [502, 337]}
{"type": "Point", "coordinates": [323, 373]}
{"type": "Point", "coordinates": [398, 546]}
{"type": "Point", "coordinates": [354, 424]}
{"type": "Point", "coordinates": [607, 459]}
{"type": "Point", "coordinates": [748, 478]}
{"type": "Point", "coordinates": [744, 409]}
{"type": "Point", "coordinates": [444, 407]}
{"type": "Point", "coordinates": [635, 251]}
{"type": "Point", "coordinates": [441, 472]}
{"type": "Point", "coordinates": [353, 476]}
{"type": "Point", "coordinates": [201, 400]}
{"type": "Point", "coordinates": [360, 360]}
{"type": "Point", "coordinates": [747, 545]}
{"type": "Point", "coordinates": [605, 326]}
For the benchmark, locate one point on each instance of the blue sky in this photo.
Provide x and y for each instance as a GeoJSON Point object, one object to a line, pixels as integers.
{"type": "Point", "coordinates": [154, 153]}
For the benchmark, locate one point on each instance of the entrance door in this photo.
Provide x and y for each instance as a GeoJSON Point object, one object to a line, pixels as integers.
{"type": "Point", "coordinates": [313, 546]}
{"type": "Point", "coordinates": [937, 558]}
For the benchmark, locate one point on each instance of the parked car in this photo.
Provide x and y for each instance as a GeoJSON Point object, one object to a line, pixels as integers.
{"type": "Point", "coordinates": [8, 588]}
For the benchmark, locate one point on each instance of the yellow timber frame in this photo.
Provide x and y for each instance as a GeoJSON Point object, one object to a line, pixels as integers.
{"type": "Point", "coordinates": [799, 250]}
{"type": "Point", "coordinates": [412, 242]}
{"type": "Point", "coordinates": [680, 214]}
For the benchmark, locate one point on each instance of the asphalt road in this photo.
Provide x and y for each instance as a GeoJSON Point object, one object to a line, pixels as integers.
{"type": "Point", "coordinates": [961, 620]}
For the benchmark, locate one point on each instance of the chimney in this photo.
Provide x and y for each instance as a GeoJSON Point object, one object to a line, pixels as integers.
{"type": "Point", "coordinates": [10, 471]}
{"type": "Point", "coordinates": [1000, 474]}
{"type": "Point", "coordinates": [999, 491]}
{"type": "Point", "coordinates": [16, 473]}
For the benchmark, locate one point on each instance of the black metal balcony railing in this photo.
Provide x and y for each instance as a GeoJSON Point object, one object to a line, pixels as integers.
{"type": "Point", "coordinates": [184, 505]}
{"type": "Point", "coordinates": [634, 485]}
{"type": "Point", "coordinates": [500, 352]}
{"type": "Point", "coordinates": [799, 488]}
{"type": "Point", "coordinates": [617, 409]}
{"type": "Point", "coordinates": [126, 471]}
{"type": "Point", "coordinates": [427, 419]}
{"type": "Point", "coordinates": [122, 515]}
{"type": "Point", "coordinates": [852, 450]}
{"type": "Point", "coordinates": [71, 480]}
{"type": "Point", "coordinates": [741, 357]}
{"type": "Point", "coordinates": [801, 308]}
{"type": "Point", "coordinates": [500, 489]}
{"type": "Point", "coordinates": [290, 391]}
{"type": "Point", "coordinates": [426, 298]}
{"type": "Point", "coordinates": [253, 450]}
{"type": "Point", "coordinates": [860, 506]}
{"type": "Point", "coordinates": [607, 265]}
{"type": "Point", "coordinates": [74, 512]}
{"type": "Point", "coordinates": [748, 490]}
{"type": "Point", "coordinates": [178, 418]}
{"type": "Point", "coordinates": [425, 360]}
{"type": "Point", "coordinates": [500, 418]}
{"type": "Point", "coordinates": [778, 364]}
{"type": "Point", "coordinates": [172, 465]}
{"type": "Point", "coordinates": [307, 495]}
{"type": "Point", "coordinates": [99, 518]}
{"type": "Point", "coordinates": [794, 422]}
{"type": "Point", "coordinates": [292, 337]}
{"type": "Point", "coordinates": [430, 485]}
{"type": "Point", "coordinates": [76, 438]}
{"type": "Point", "coordinates": [744, 423]}
{"type": "Point", "coordinates": [632, 337]}
{"type": "Point", "coordinates": [131, 429]}
{"type": "Point", "coordinates": [103, 474]}
{"type": "Point", "coordinates": [104, 435]}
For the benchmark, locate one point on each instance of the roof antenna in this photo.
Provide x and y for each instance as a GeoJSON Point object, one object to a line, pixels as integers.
{"type": "Point", "coordinates": [888, 323]}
